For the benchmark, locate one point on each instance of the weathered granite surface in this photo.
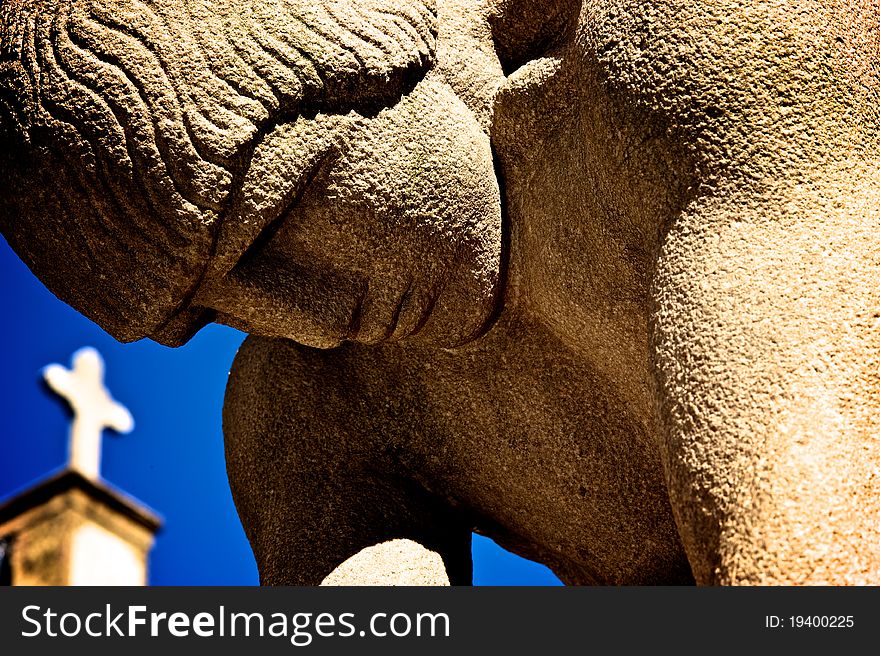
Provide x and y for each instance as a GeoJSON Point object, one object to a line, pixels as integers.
{"type": "Point", "coordinates": [597, 278]}
{"type": "Point", "coordinates": [396, 562]}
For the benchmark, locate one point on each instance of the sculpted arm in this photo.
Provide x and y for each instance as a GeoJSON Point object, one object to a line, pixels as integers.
{"type": "Point", "coordinates": [765, 329]}
{"type": "Point", "coordinates": [768, 367]}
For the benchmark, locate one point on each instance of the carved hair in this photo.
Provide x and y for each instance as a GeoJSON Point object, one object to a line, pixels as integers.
{"type": "Point", "coordinates": [126, 126]}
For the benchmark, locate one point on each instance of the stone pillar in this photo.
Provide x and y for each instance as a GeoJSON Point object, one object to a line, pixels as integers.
{"type": "Point", "coordinates": [70, 530]}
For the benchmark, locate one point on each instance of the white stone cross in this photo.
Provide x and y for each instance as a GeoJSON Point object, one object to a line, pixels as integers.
{"type": "Point", "coordinates": [93, 408]}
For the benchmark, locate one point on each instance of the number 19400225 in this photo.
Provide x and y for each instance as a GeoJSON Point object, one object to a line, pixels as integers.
{"type": "Point", "coordinates": [810, 621]}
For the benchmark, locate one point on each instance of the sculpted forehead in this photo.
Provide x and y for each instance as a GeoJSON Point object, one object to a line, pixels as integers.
{"type": "Point", "coordinates": [125, 126]}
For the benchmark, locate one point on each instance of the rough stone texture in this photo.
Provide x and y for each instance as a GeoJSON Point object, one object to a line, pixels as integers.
{"type": "Point", "coordinates": [666, 358]}
{"type": "Point", "coordinates": [127, 127]}
{"type": "Point", "coordinates": [397, 562]}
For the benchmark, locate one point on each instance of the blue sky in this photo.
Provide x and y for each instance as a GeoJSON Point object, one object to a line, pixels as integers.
{"type": "Point", "coordinates": [173, 460]}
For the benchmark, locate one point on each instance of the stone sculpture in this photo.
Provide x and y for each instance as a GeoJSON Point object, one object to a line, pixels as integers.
{"type": "Point", "coordinates": [596, 278]}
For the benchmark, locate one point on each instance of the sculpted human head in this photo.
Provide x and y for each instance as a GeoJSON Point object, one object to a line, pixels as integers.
{"type": "Point", "coordinates": [300, 171]}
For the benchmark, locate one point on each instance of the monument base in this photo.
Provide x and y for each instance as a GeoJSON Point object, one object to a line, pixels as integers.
{"type": "Point", "coordinates": [70, 530]}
